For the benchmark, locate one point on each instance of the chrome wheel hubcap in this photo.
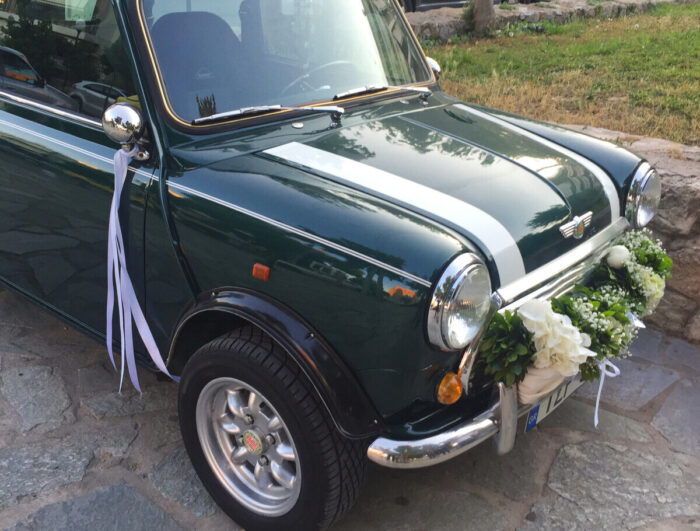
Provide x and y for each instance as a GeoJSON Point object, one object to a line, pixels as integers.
{"type": "Point", "coordinates": [248, 446]}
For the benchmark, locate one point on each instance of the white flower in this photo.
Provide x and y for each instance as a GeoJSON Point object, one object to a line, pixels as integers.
{"type": "Point", "coordinates": [558, 343]}
{"type": "Point", "coordinates": [649, 283]}
{"type": "Point", "coordinates": [618, 256]}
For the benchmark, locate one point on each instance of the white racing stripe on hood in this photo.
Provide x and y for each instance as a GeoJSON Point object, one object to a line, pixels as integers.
{"type": "Point", "coordinates": [436, 205]}
{"type": "Point", "coordinates": [597, 171]}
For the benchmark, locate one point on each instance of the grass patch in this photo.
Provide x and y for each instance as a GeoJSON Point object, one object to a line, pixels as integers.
{"type": "Point", "coordinates": [506, 7]}
{"type": "Point", "coordinates": [640, 75]}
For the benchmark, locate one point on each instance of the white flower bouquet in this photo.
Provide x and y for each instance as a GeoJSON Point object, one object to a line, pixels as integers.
{"type": "Point", "coordinates": [543, 342]}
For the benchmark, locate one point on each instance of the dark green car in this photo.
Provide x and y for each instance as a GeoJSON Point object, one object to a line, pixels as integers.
{"type": "Point", "coordinates": [316, 233]}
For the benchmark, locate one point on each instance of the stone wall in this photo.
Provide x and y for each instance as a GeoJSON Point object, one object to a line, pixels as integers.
{"type": "Point", "coordinates": [677, 224]}
{"type": "Point", "coordinates": [441, 24]}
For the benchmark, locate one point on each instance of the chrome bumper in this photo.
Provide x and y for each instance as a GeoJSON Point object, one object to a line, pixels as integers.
{"type": "Point", "coordinates": [499, 421]}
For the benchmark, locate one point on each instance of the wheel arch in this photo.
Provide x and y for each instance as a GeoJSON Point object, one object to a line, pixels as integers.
{"type": "Point", "coordinates": [224, 309]}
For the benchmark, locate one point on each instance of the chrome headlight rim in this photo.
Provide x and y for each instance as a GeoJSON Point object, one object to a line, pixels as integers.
{"type": "Point", "coordinates": [642, 177]}
{"type": "Point", "coordinates": [452, 279]}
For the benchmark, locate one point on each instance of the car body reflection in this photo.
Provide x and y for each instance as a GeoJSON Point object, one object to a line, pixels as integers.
{"type": "Point", "coordinates": [19, 77]}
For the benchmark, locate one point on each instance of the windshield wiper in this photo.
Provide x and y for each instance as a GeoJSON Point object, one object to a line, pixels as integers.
{"type": "Point", "coordinates": [335, 112]}
{"type": "Point", "coordinates": [424, 92]}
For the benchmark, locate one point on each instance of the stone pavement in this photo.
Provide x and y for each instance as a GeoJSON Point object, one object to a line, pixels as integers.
{"type": "Point", "coordinates": [76, 455]}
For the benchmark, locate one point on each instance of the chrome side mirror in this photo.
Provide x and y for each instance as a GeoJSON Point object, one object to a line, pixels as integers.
{"type": "Point", "coordinates": [435, 67]}
{"type": "Point", "coordinates": [123, 123]}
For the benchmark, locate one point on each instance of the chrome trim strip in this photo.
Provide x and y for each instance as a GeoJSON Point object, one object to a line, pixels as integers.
{"type": "Point", "coordinates": [507, 418]}
{"type": "Point", "coordinates": [639, 181]}
{"type": "Point", "coordinates": [501, 416]}
{"type": "Point", "coordinates": [515, 290]}
{"type": "Point", "coordinates": [605, 181]}
{"type": "Point", "coordinates": [303, 234]}
{"type": "Point", "coordinates": [443, 296]}
{"type": "Point", "coordinates": [422, 199]}
{"type": "Point", "coordinates": [54, 110]}
{"type": "Point", "coordinates": [466, 364]}
{"type": "Point", "coordinates": [77, 149]}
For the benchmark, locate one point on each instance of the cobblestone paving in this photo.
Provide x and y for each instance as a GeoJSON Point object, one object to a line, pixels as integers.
{"type": "Point", "coordinates": [76, 455]}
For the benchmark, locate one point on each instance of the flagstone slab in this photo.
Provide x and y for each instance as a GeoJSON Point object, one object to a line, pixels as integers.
{"type": "Point", "coordinates": [517, 475]}
{"type": "Point", "coordinates": [648, 346]}
{"type": "Point", "coordinates": [38, 395]}
{"type": "Point", "coordinates": [129, 402]}
{"type": "Point", "coordinates": [51, 341]}
{"type": "Point", "coordinates": [636, 386]}
{"type": "Point", "coordinates": [576, 415]}
{"type": "Point", "coordinates": [679, 418]}
{"type": "Point", "coordinates": [403, 501]}
{"type": "Point", "coordinates": [114, 508]}
{"type": "Point", "coordinates": [19, 311]}
{"type": "Point", "coordinates": [607, 486]}
{"type": "Point", "coordinates": [175, 479]}
{"type": "Point", "coordinates": [96, 379]}
{"type": "Point", "coordinates": [684, 353]}
{"type": "Point", "coordinates": [41, 466]}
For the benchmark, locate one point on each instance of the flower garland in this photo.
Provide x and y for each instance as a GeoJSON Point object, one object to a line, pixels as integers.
{"type": "Point", "coordinates": [580, 331]}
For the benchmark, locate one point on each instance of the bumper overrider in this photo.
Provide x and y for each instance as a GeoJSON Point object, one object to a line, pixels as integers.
{"type": "Point", "coordinates": [500, 420]}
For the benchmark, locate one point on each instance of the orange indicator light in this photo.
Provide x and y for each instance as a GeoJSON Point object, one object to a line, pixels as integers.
{"type": "Point", "coordinates": [450, 389]}
{"type": "Point", "coordinates": [261, 272]}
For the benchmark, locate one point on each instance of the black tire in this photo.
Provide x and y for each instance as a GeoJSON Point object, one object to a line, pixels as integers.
{"type": "Point", "coordinates": [332, 466]}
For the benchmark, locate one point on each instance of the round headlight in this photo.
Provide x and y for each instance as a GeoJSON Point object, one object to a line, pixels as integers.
{"type": "Point", "coordinates": [644, 196]}
{"type": "Point", "coordinates": [461, 303]}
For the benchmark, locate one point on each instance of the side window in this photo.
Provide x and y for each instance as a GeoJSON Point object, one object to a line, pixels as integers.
{"type": "Point", "coordinates": [58, 52]}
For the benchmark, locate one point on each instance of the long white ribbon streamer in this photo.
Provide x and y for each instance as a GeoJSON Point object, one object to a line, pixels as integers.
{"type": "Point", "coordinates": [118, 276]}
{"type": "Point", "coordinates": [613, 373]}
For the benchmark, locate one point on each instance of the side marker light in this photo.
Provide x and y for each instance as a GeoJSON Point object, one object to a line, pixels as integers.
{"type": "Point", "coordinates": [261, 272]}
{"type": "Point", "coordinates": [450, 389]}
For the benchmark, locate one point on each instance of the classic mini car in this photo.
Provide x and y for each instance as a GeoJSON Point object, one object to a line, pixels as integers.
{"type": "Point", "coordinates": [316, 233]}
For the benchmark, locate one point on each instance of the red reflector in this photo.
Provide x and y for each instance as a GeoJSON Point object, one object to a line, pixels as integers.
{"type": "Point", "coordinates": [261, 272]}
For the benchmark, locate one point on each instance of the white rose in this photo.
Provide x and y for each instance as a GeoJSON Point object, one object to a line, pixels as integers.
{"type": "Point", "coordinates": [558, 343]}
{"type": "Point", "coordinates": [618, 256]}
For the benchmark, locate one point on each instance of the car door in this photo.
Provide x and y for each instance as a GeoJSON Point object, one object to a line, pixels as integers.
{"type": "Point", "coordinates": [56, 174]}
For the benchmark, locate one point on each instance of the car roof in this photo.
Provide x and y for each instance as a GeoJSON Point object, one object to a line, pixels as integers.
{"type": "Point", "coordinates": [13, 52]}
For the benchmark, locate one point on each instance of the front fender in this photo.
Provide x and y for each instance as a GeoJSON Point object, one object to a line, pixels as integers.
{"type": "Point", "coordinates": [341, 393]}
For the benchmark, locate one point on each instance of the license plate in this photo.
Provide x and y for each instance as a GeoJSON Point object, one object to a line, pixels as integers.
{"type": "Point", "coordinates": [550, 402]}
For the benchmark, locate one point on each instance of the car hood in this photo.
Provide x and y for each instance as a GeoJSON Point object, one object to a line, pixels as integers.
{"type": "Point", "coordinates": [506, 189]}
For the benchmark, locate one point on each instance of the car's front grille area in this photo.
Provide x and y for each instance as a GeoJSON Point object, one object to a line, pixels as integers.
{"type": "Point", "coordinates": [561, 275]}
{"type": "Point", "coordinates": [563, 283]}
{"type": "Point", "coordinates": [553, 280]}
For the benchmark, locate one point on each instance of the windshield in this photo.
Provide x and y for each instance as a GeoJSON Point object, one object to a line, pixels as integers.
{"type": "Point", "coordinates": [215, 56]}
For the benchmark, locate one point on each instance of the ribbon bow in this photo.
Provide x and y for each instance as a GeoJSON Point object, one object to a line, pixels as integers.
{"type": "Point", "coordinates": [117, 275]}
{"type": "Point", "coordinates": [612, 373]}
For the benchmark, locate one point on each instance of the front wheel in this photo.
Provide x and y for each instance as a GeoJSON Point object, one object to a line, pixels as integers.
{"type": "Point", "coordinates": [260, 438]}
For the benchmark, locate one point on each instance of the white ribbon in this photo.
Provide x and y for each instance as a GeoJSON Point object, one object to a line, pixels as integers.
{"type": "Point", "coordinates": [614, 372]}
{"type": "Point", "coordinates": [117, 275]}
